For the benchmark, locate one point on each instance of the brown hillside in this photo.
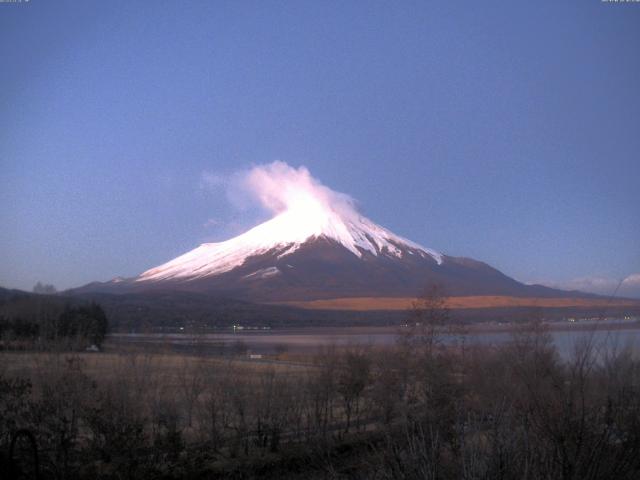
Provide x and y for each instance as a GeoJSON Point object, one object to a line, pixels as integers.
{"type": "Point", "coordinates": [492, 301]}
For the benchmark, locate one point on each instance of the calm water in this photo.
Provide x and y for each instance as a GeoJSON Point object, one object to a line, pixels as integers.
{"type": "Point", "coordinates": [316, 339]}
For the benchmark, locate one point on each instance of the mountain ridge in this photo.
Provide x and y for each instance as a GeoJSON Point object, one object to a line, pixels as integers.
{"type": "Point", "coordinates": [318, 249]}
{"type": "Point", "coordinates": [323, 269]}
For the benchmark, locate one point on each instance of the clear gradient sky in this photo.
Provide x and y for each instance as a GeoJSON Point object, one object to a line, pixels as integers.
{"type": "Point", "coordinates": [504, 131]}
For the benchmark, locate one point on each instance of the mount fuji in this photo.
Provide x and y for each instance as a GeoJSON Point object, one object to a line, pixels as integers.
{"type": "Point", "coordinates": [319, 247]}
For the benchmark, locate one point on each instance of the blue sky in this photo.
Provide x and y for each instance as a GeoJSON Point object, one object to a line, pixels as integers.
{"type": "Point", "coordinates": [503, 131]}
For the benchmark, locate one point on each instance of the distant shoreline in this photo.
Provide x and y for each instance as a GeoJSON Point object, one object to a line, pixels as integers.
{"type": "Point", "coordinates": [474, 328]}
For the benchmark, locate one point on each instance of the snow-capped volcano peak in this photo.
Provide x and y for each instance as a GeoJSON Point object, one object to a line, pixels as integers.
{"type": "Point", "coordinates": [304, 210]}
{"type": "Point", "coordinates": [316, 246]}
{"type": "Point", "coordinates": [304, 220]}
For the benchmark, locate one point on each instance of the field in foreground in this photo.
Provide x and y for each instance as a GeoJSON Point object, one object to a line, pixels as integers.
{"type": "Point", "coordinates": [417, 409]}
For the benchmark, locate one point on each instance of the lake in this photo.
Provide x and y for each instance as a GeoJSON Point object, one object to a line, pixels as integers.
{"type": "Point", "coordinates": [308, 340]}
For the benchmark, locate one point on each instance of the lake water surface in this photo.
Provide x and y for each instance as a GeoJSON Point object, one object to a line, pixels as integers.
{"type": "Point", "coordinates": [314, 339]}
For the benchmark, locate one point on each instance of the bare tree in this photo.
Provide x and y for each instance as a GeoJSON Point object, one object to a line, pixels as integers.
{"type": "Point", "coordinates": [192, 384]}
{"type": "Point", "coordinates": [427, 319]}
{"type": "Point", "coordinates": [353, 378]}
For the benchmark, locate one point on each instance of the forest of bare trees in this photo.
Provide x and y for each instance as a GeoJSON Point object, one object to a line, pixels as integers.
{"type": "Point", "coordinates": [419, 410]}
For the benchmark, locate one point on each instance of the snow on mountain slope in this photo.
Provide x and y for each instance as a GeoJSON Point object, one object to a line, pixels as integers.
{"type": "Point", "coordinates": [284, 234]}
{"type": "Point", "coordinates": [316, 246]}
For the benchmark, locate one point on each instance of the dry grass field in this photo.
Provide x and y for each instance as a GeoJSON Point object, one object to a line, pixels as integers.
{"type": "Point", "coordinates": [354, 412]}
{"type": "Point", "coordinates": [493, 301]}
{"type": "Point", "coordinates": [169, 370]}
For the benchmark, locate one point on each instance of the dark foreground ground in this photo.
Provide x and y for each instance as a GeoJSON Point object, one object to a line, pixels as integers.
{"type": "Point", "coordinates": [419, 408]}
